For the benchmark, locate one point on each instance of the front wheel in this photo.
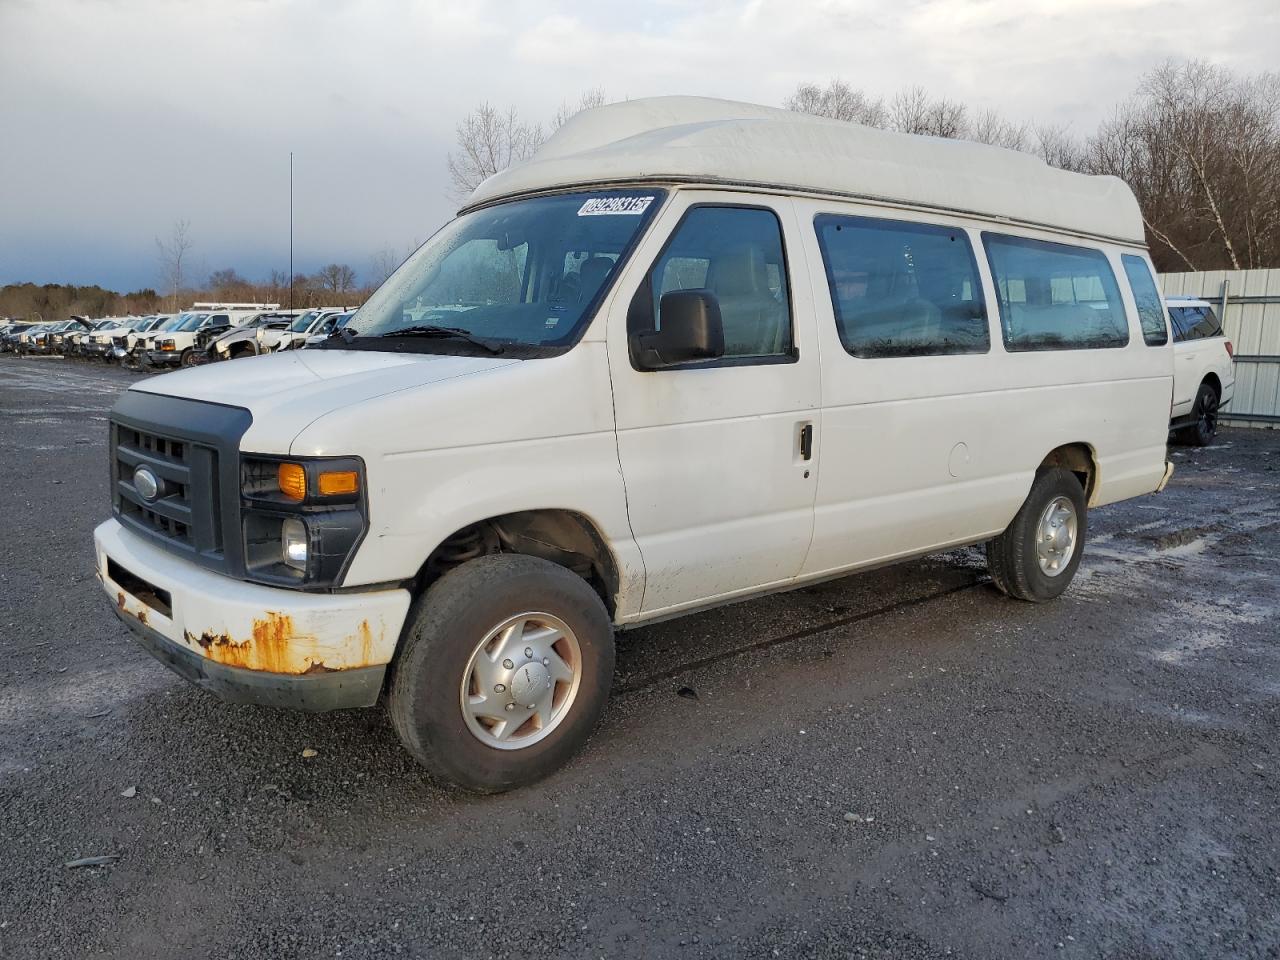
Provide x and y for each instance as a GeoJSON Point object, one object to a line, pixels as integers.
{"type": "Point", "coordinates": [1037, 555]}
{"type": "Point", "coordinates": [188, 358]}
{"type": "Point", "coordinates": [504, 670]}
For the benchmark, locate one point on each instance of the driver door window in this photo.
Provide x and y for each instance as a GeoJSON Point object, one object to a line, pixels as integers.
{"type": "Point", "coordinates": [736, 253]}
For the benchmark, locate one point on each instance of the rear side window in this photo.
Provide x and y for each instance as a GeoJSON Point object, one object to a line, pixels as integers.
{"type": "Point", "coordinates": [1198, 322]}
{"type": "Point", "coordinates": [736, 253]}
{"type": "Point", "coordinates": [902, 289]}
{"type": "Point", "coordinates": [1150, 309]}
{"type": "Point", "coordinates": [1055, 296]}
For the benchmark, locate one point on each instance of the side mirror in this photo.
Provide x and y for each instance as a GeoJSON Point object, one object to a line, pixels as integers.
{"type": "Point", "coordinates": [690, 329]}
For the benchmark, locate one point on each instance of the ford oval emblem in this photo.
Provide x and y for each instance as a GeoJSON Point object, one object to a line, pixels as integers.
{"type": "Point", "coordinates": [145, 482]}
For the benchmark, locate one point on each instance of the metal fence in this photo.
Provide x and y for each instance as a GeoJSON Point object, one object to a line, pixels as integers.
{"type": "Point", "coordinates": [1248, 302]}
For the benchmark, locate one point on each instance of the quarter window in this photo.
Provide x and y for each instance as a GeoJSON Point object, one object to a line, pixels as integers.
{"type": "Point", "coordinates": [1054, 296]}
{"type": "Point", "coordinates": [902, 289]}
{"type": "Point", "coordinates": [736, 253]}
{"type": "Point", "coordinates": [1150, 308]}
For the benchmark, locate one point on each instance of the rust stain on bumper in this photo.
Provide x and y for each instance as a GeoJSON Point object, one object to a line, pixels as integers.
{"type": "Point", "coordinates": [276, 647]}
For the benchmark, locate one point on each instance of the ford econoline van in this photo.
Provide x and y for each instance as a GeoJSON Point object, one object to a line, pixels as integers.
{"type": "Point", "coordinates": [692, 352]}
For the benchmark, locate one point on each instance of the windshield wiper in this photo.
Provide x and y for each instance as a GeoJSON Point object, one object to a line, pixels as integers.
{"type": "Point", "coordinates": [455, 333]}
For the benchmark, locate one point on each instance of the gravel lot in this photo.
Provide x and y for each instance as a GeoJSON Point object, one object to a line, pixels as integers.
{"type": "Point", "coordinates": [900, 764]}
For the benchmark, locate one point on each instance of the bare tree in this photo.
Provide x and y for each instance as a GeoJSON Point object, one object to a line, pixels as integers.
{"type": "Point", "coordinates": [172, 253]}
{"type": "Point", "coordinates": [489, 141]}
{"type": "Point", "coordinates": [1055, 145]}
{"type": "Point", "coordinates": [276, 289]}
{"type": "Point", "coordinates": [228, 285]}
{"type": "Point", "coordinates": [382, 264]}
{"type": "Point", "coordinates": [1201, 149]}
{"type": "Point", "coordinates": [838, 101]}
{"type": "Point", "coordinates": [914, 111]}
{"type": "Point", "coordinates": [336, 278]}
{"type": "Point", "coordinates": [990, 127]}
{"type": "Point", "coordinates": [589, 100]}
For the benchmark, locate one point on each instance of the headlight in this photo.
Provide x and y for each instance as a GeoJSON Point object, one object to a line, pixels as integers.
{"type": "Point", "coordinates": [293, 543]}
{"type": "Point", "coordinates": [165, 345]}
{"type": "Point", "coordinates": [303, 518]}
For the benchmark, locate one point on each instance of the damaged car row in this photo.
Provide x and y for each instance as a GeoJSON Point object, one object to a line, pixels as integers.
{"type": "Point", "coordinates": [206, 333]}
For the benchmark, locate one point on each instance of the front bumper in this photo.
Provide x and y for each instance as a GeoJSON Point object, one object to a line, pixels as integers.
{"type": "Point", "coordinates": [248, 643]}
{"type": "Point", "coordinates": [164, 358]}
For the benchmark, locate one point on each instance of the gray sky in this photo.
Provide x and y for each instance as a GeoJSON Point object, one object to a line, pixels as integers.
{"type": "Point", "coordinates": [119, 116]}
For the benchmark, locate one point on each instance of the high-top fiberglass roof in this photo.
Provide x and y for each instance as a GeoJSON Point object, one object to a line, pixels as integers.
{"type": "Point", "coordinates": [695, 139]}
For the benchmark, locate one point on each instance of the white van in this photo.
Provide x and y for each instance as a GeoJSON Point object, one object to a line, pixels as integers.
{"type": "Point", "coordinates": [692, 352]}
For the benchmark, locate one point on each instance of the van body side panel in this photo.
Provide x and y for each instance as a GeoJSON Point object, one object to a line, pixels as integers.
{"type": "Point", "coordinates": [529, 435]}
{"type": "Point", "coordinates": [923, 451]}
{"type": "Point", "coordinates": [909, 443]}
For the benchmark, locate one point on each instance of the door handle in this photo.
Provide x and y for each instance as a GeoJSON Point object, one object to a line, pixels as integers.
{"type": "Point", "coordinates": [806, 442]}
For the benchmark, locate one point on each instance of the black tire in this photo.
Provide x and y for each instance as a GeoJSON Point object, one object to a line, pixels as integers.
{"type": "Point", "coordinates": [1011, 557]}
{"type": "Point", "coordinates": [1204, 425]}
{"type": "Point", "coordinates": [444, 628]}
{"type": "Point", "coordinates": [188, 358]}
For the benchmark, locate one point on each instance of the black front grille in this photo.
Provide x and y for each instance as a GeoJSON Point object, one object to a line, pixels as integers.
{"type": "Point", "coordinates": [192, 449]}
{"type": "Point", "coordinates": [171, 514]}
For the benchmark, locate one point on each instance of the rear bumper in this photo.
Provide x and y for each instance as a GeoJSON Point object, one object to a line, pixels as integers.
{"type": "Point", "coordinates": [248, 643]}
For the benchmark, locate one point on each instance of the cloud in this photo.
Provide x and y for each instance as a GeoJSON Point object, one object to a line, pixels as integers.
{"type": "Point", "coordinates": [121, 117]}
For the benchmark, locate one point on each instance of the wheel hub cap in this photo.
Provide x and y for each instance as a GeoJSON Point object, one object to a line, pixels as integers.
{"type": "Point", "coordinates": [529, 682]}
{"type": "Point", "coordinates": [521, 681]}
{"type": "Point", "coordinates": [1056, 536]}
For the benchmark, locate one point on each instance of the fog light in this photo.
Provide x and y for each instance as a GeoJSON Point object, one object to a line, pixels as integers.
{"type": "Point", "coordinates": [293, 544]}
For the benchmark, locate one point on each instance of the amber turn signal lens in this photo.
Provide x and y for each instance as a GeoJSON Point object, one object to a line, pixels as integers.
{"type": "Point", "coordinates": [293, 481]}
{"type": "Point", "coordinates": [337, 482]}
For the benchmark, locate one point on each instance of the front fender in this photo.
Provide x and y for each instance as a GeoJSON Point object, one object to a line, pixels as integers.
{"type": "Point", "coordinates": [532, 435]}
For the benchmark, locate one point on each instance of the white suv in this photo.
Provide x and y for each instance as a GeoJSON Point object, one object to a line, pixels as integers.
{"type": "Point", "coordinates": [1203, 370]}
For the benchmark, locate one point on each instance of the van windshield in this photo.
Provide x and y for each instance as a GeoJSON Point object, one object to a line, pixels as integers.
{"type": "Point", "coordinates": [527, 272]}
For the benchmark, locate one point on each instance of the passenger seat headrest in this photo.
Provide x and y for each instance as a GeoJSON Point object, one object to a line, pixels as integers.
{"type": "Point", "coordinates": [740, 272]}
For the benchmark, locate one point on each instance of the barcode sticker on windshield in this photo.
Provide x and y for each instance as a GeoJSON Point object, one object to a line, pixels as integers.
{"type": "Point", "coordinates": [615, 206]}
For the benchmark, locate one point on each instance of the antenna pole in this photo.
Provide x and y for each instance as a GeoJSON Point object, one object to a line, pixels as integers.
{"type": "Point", "coordinates": [290, 229]}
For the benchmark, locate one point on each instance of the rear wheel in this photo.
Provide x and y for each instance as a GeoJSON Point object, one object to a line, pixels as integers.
{"type": "Point", "coordinates": [504, 670]}
{"type": "Point", "coordinates": [1204, 425]}
{"type": "Point", "coordinates": [1037, 555]}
